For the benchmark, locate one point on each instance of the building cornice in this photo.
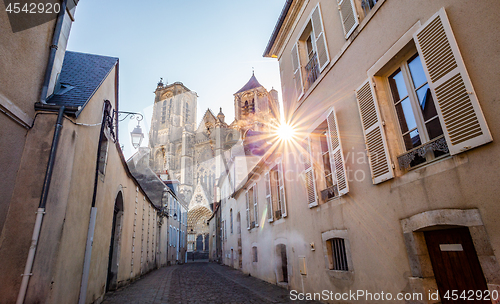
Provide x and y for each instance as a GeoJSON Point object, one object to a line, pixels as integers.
{"type": "Point", "coordinates": [284, 26]}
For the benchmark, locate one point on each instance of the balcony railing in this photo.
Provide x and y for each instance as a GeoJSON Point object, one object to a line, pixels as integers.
{"type": "Point", "coordinates": [312, 72]}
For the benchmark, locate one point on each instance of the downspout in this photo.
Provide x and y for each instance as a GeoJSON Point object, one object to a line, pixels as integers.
{"type": "Point", "coordinates": [41, 207]}
{"type": "Point", "coordinates": [93, 212]}
{"type": "Point", "coordinates": [53, 51]}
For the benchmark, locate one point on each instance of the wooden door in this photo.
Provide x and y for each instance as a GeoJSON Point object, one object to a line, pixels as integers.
{"type": "Point", "coordinates": [455, 264]}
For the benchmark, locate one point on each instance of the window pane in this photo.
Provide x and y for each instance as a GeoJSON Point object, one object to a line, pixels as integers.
{"type": "Point", "coordinates": [417, 72]}
{"type": "Point", "coordinates": [426, 102]}
{"type": "Point", "coordinates": [324, 144]}
{"type": "Point", "coordinates": [434, 128]}
{"type": "Point", "coordinates": [398, 86]}
{"type": "Point", "coordinates": [326, 163]}
{"type": "Point", "coordinates": [412, 140]}
{"type": "Point", "coordinates": [405, 115]}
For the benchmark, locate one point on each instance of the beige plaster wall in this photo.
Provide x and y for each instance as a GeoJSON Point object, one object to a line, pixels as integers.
{"type": "Point", "coordinates": [58, 265]}
{"type": "Point", "coordinates": [370, 213]}
{"type": "Point", "coordinates": [24, 58]}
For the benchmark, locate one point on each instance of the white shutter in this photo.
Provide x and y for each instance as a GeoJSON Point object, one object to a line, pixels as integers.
{"type": "Point", "coordinates": [269, 200]}
{"type": "Point", "coordinates": [376, 144]}
{"type": "Point", "coordinates": [248, 211]}
{"type": "Point", "coordinates": [309, 177]}
{"type": "Point", "coordinates": [457, 105]}
{"type": "Point", "coordinates": [336, 155]}
{"type": "Point", "coordinates": [281, 189]}
{"type": "Point", "coordinates": [348, 16]}
{"type": "Point", "coordinates": [319, 38]}
{"type": "Point", "coordinates": [255, 206]}
{"type": "Point", "coordinates": [297, 73]}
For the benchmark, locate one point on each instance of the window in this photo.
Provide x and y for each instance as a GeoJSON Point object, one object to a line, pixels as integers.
{"type": "Point", "coordinates": [367, 5]}
{"type": "Point", "coordinates": [170, 236]}
{"type": "Point", "coordinates": [255, 257]}
{"type": "Point", "coordinates": [103, 153]}
{"type": "Point", "coordinates": [330, 189]}
{"type": "Point", "coordinates": [337, 256]}
{"type": "Point", "coordinates": [252, 207]}
{"type": "Point", "coordinates": [445, 91]}
{"type": "Point", "coordinates": [231, 218]}
{"type": "Point", "coordinates": [164, 111]}
{"type": "Point", "coordinates": [416, 112]}
{"type": "Point", "coordinates": [275, 193]}
{"type": "Point", "coordinates": [324, 165]}
{"type": "Point", "coordinates": [310, 53]}
{"type": "Point", "coordinates": [337, 249]}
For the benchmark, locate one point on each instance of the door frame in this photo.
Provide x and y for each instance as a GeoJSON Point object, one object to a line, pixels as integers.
{"type": "Point", "coordinates": [422, 275]}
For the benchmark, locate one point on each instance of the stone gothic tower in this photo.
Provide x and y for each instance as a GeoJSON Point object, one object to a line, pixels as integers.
{"type": "Point", "coordinates": [254, 106]}
{"type": "Point", "coordinates": [171, 135]}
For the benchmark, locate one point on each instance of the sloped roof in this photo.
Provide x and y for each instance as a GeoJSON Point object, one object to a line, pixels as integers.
{"type": "Point", "coordinates": [81, 75]}
{"type": "Point", "coordinates": [251, 84]}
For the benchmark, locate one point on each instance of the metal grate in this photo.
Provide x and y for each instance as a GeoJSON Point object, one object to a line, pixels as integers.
{"type": "Point", "coordinates": [339, 254]}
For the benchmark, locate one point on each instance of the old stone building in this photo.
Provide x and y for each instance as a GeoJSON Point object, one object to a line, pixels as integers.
{"type": "Point", "coordinates": [192, 154]}
{"type": "Point", "coordinates": [390, 184]}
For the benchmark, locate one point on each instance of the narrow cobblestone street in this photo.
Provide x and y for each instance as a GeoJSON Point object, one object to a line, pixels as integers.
{"type": "Point", "coordinates": [200, 282]}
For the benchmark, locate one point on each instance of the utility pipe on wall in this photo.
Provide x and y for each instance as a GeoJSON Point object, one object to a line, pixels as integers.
{"type": "Point", "coordinates": [41, 207]}
{"type": "Point", "coordinates": [53, 51]}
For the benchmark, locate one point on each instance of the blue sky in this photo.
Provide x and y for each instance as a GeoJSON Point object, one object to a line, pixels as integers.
{"type": "Point", "coordinates": [210, 46]}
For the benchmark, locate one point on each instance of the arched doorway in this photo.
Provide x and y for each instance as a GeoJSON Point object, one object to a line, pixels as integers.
{"type": "Point", "coordinates": [282, 264]}
{"type": "Point", "coordinates": [114, 245]}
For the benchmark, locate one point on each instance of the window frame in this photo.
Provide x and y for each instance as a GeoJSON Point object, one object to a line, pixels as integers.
{"type": "Point", "coordinates": [326, 237]}
{"type": "Point", "coordinates": [402, 64]}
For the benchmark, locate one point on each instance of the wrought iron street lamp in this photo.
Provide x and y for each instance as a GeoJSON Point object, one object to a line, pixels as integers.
{"type": "Point", "coordinates": [136, 135]}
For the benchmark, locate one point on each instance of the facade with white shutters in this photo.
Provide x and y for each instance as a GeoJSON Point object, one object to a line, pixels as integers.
{"type": "Point", "coordinates": [391, 182]}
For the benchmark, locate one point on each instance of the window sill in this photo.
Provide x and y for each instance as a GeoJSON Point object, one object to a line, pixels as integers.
{"type": "Point", "coordinates": [341, 275]}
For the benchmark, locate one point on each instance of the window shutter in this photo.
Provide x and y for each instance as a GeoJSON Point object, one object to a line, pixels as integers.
{"type": "Point", "coordinates": [248, 211]}
{"type": "Point", "coordinates": [309, 175]}
{"type": "Point", "coordinates": [268, 198]}
{"type": "Point", "coordinates": [319, 36]}
{"type": "Point", "coordinates": [281, 189]}
{"type": "Point", "coordinates": [336, 155]}
{"type": "Point", "coordinates": [297, 73]}
{"type": "Point", "coordinates": [457, 105]}
{"type": "Point", "coordinates": [349, 16]}
{"type": "Point", "coordinates": [255, 206]}
{"type": "Point", "coordinates": [376, 144]}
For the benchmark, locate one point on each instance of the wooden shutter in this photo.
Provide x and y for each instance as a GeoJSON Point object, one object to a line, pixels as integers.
{"type": "Point", "coordinates": [376, 144]}
{"type": "Point", "coordinates": [297, 73]}
{"type": "Point", "coordinates": [336, 155]}
{"type": "Point", "coordinates": [457, 104]}
{"type": "Point", "coordinates": [348, 16]}
{"type": "Point", "coordinates": [309, 177]}
{"type": "Point", "coordinates": [255, 206]}
{"type": "Point", "coordinates": [281, 189]}
{"type": "Point", "coordinates": [269, 198]}
{"type": "Point", "coordinates": [248, 211]}
{"type": "Point", "coordinates": [319, 38]}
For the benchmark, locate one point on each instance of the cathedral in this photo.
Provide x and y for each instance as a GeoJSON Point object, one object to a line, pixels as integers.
{"type": "Point", "coordinates": [192, 155]}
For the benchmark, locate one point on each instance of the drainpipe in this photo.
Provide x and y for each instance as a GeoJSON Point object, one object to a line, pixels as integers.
{"type": "Point", "coordinates": [93, 212]}
{"type": "Point", "coordinates": [53, 51]}
{"type": "Point", "coordinates": [41, 207]}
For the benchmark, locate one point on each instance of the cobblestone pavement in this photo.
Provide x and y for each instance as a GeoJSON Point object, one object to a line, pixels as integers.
{"type": "Point", "coordinates": [198, 283]}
